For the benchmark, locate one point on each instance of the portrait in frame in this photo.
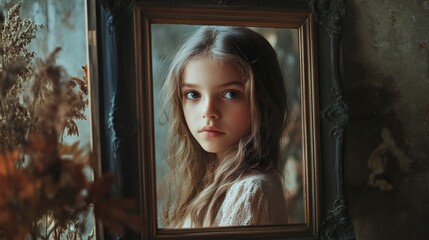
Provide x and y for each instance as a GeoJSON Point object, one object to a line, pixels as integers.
{"type": "Point", "coordinates": [285, 42]}
{"type": "Point", "coordinates": [134, 43]}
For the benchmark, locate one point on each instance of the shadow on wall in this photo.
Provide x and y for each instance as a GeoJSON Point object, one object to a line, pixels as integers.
{"type": "Point", "coordinates": [381, 178]}
{"type": "Point", "coordinates": [372, 114]}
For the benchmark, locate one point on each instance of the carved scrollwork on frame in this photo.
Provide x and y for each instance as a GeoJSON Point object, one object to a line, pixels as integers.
{"type": "Point", "coordinates": [224, 2]}
{"type": "Point", "coordinates": [119, 123]}
{"type": "Point", "coordinates": [120, 127]}
{"type": "Point", "coordinates": [338, 225]}
{"type": "Point", "coordinates": [329, 14]}
{"type": "Point", "coordinates": [117, 10]}
{"type": "Point", "coordinates": [336, 113]}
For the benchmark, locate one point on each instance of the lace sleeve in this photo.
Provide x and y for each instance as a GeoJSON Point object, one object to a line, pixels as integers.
{"type": "Point", "coordinates": [252, 201]}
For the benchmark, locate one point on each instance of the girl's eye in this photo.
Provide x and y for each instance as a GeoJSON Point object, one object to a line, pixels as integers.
{"type": "Point", "coordinates": [231, 95]}
{"type": "Point", "coordinates": [192, 95]}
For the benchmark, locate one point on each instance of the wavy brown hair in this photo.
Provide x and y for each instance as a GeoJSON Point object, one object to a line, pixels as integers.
{"type": "Point", "coordinates": [197, 181]}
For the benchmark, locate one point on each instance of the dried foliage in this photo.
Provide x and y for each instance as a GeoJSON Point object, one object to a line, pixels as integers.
{"type": "Point", "coordinates": [15, 36]}
{"type": "Point", "coordinates": [44, 191]}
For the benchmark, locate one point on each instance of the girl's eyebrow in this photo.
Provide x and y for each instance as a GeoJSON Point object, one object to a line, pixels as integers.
{"type": "Point", "coordinates": [227, 84]}
{"type": "Point", "coordinates": [189, 85]}
{"type": "Point", "coordinates": [232, 83]}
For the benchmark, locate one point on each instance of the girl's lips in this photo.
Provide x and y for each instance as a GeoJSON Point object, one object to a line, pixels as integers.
{"type": "Point", "coordinates": [211, 133]}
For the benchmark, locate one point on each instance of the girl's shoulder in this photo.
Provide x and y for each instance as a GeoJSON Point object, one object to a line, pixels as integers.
{"type": "Point", "coordinates": [256, 184]}
{"type": "Point", "coordinates": [256, 198]}
{"type": "Point", "coordinates": [258, 180]}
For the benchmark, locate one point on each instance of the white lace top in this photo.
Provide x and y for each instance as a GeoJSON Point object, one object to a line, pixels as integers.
{"type": "Point", "coordinates": [253, 200]}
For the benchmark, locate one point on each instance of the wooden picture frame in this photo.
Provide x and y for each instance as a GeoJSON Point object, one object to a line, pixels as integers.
{"type": "Point", "coordinates": [123, 115]}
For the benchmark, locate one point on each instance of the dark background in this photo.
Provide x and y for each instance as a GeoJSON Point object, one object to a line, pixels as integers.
{"type": "Point", "coordinates": [386, 85]}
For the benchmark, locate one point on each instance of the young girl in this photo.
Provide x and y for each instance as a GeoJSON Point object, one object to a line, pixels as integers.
{"type": "Point", "coordinates": [226, 102]}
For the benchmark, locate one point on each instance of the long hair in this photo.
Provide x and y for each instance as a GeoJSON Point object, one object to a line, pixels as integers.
{"type": "Point", "coordinates": [197, 181]}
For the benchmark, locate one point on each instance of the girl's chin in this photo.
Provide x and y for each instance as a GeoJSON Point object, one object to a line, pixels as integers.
{"type": "Point", "coordinates": [211, 148]}
{"type": "Point", "coordinates": [218, 150]}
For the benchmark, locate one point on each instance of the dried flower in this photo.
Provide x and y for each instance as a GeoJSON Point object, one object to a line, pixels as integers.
{"type": "Point", "coordinates": [42, 181]}
{"type": "Point", "coordinates": [16, 35]}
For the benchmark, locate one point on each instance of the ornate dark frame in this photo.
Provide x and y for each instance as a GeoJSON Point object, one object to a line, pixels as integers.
{"type": "Point", "coordinates": [121, 92]}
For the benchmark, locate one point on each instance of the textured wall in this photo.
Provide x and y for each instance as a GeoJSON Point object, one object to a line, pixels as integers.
{"type": "Point", "coordinates": [386, 64]}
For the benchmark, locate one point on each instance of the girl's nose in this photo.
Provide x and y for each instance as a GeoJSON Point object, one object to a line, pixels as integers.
{"type": "Point", "coordinates": [210, 110]}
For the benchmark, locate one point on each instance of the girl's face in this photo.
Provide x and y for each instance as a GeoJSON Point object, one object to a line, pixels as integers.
{"type": "Point", "coordinates": [215, 106]}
